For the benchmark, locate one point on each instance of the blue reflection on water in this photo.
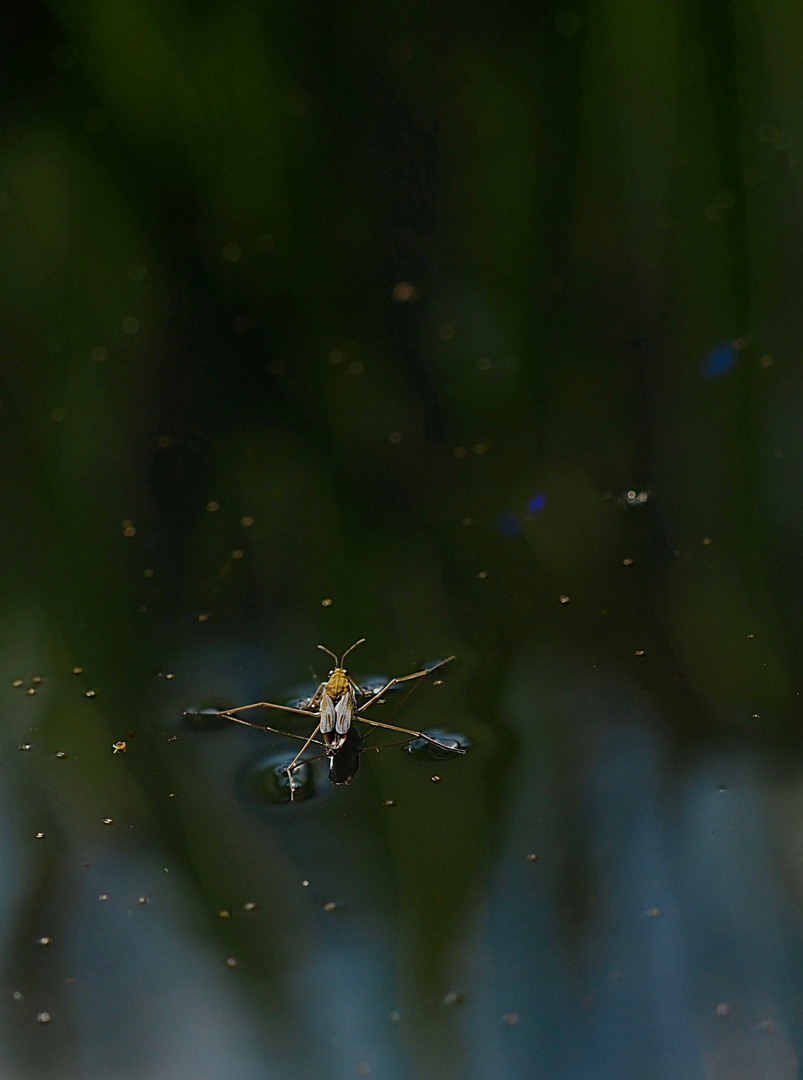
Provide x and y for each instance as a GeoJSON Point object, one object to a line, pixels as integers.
{"type": "Point", "coordinates": [720, 360]}
{"type": "Point", "coordinates": [683, 952]}
{"type": "Point", "coordinates": [655, 935]}
{"type": "Point", "coordinates": [536, 503]}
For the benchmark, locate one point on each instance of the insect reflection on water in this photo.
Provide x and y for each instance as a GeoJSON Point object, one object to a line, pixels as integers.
{"type": "Point", "coordinates": [337, 707]}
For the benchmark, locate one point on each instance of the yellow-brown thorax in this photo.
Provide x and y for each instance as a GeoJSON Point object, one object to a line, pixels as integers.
{"type": "Point", "coordinates": [338, 683]}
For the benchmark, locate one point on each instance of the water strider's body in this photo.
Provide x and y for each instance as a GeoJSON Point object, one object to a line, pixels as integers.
{"type": "Point", "coordinates": [334, 701]}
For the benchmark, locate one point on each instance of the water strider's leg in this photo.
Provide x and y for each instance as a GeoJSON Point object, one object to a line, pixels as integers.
{"type": "Point", "coordinates": [405, 678]}
{"type": "Point", "coordinates": [414, 734]}
{"type": "Point", "coordinates": [294, 762]}
{"type": "Point", "coordinates": [267, 705]}
{"type": "Point", "coordinates": [266, 727]}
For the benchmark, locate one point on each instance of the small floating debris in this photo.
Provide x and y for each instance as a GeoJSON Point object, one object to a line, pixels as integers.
{"type": "Point", "coordinates": [404, 292]}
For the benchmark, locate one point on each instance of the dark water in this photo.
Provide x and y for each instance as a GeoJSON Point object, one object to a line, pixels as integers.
{"type": "Point", "coordinates": [469, 332]}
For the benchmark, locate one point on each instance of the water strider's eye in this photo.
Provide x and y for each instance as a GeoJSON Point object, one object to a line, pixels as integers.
{"type": "Point", "coordinates": [331, 673]}
{"type": "Point", "coordinates": [345, 673]}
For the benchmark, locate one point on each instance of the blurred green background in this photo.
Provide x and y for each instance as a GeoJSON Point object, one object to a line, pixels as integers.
{"type": "Point", "coordinates": [467, 329]}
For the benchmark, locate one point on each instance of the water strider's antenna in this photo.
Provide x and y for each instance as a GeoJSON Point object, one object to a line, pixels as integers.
{"type": "Point", "coordinates": [339, 663]}
{"type": "Point", "coordinates": [348, 650]}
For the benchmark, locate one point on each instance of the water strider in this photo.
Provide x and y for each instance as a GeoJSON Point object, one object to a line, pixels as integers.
{"type": "Point", "coordinates": [336, 705]}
